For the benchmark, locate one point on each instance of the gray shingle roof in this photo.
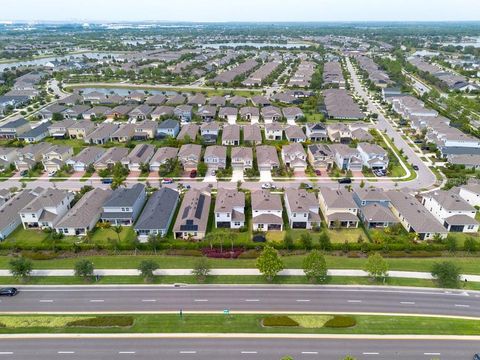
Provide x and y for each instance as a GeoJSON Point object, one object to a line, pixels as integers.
{"type": "Point", "coordinates": [158, 210]}
{"type": "Point", "coordinates": [124, 197]}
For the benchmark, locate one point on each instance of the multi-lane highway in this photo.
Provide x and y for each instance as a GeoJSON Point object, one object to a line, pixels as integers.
{"type": "Point", "coordinates": [243, 298]}
{"type": "Point", "coordinates": [232, 349]}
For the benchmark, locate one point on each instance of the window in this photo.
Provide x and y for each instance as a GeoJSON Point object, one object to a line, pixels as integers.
{"type": "Point", "coordinates": [470, 227]}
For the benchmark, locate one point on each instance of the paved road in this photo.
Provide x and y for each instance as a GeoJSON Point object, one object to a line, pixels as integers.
{"type": "Point", "coordinates": [264, 349]}
{"type": "Point", "coordinates": [243, 298]}
{"type": "Point", "coordinates": [425, 177]}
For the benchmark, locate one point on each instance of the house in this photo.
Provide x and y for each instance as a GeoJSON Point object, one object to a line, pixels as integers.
{"type": "Point", "coordinates": [294, 133]}
{"type": "Point", "coordinates": [346, 158]}
{"type": "Point", "coordinates": [145, 130]}
{"type": "Point", "coordinates": [110, 158]}
{"type": "Point", "coordinates": [183, 112]}
{"type": "Point", "coordinates": [188, 132]}
{"type": "Point", "coordinates": [75, 112]}
{"type": "Point", "coordinates": [9, 218]}
{"type": "Point", "coordinates": [84, 215]}
{"type": "Point", "coordinates": [250, 113]}
{"type": "Point", "coordinates": [124, 133]}
{"type": "Point", "coordinates": [192, 217]}
{"type": "Point", "coordinates": [96, 112]}
{"type": "Point", "coordinates": [285, 98]}
{"type": "Point", "coordinates": [470, 161]}
{"type": "Point", "coordinates": [169, 127]}
{"type": "Point", "coordinates": [207, 113]}
{"type": "Point", "coordinates": [85, 158]}
{"type": "Point", "coordinates": [30, 155]}
{"type": "Point", "coordinates": [59, 129]}
{"type": "Point", "coordinates": [178, 99]}
{"type": "Point", "coordinates": [190, 155]}
{"type": "Point", "coordinates": [237, 101]}
{"type": "Point", "coordinates": [197, 100]}
{"type": "Point", "coordinates": [163, 111]}
{"type": "Point", "coordinates": [54, 158]}
{"type": "Point", "coordinates": [94, 97]}
{"type": "Point", "coordinates": [260, 101]}
{"type": "Point", "coordinates": [5, 195]}
{"type": "Point", "coordinates": [302, 209]}
{"type": "Point", "coordinates": [136, 97]}
{"type": "Point", "coordinates": [252, 134]}
{"type": "Point", "coordinates": [215, 157]}
{"type": "Point", "coordinates": [470, 193]}
{"type": "Point", "coordinates": [8, 156]}
{"type": "Point", "coordinates": [450, 209]}
{"type": "Point", "coordinates": [102, 134]}
{"type": "Point", "coordinates": [48, 112]}
{"type": "Point", "coordinates": [14, 128]}
{"type": "Point", "coordinates": [374, 208]}
{"type": "Point", "coordinates": [158, 214]}
{"type": "Point", "coordinates": [217, 101]}
{"type": "Point", "coordinates": [80, 129]}
{"type": "Point", "coordinates": [156, 100]}
{"type": "Point", "coordinates": [242, 158]}
{"type": "Point", "coordinates": [229, 209]}
{"type": "Point", "coordinates": [320, 157]}
{"type": "Point", "coordinates": [119, 112]}
{"type": "Point", "coordinates": [295, 157]}
{"type": "Point", "coordinates": [273, 131]}
{"type": "Point", "coordinates": [228, 114]}
{"type": "Point", "coordinates": [338, 208]}
{"type": "Point", "coordinates": [124, 205]}
{"type": "Point", "coordinates": [231, 135]}
{"type": "Point", "coordinates": [267, 158]}
{"type": "Point", "coordinates": [271, 114]}
{"type": "Point", "coordinates": [36, 134]}
{"type": "Point", "coordinates": [414, 217]}
{"type": "Point", "coordinates": [339, 133]}
{"type": "Point", "coordinates": [293, 114]}
{"type": "Point", "coordinates": [266, 211]}
{"type": "Point", "coordinates": [45, 210]}
{"type": "Point", "coordinates": [316, 132]}
{"type": "Point", "coordinates": [373, 156]}
{"type": "Point", "coordinates": [161, 156]}
{"type": "Point", "coordinates": [141, 154]}
{"type": "Point", "coordinates": [209, 132]}
{"type": "Point", "coordinates": [71, 100]}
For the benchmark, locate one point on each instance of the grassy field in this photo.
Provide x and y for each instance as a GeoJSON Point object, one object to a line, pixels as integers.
{"type": "Point", "coordinates": [336, 236]}
{"type": "Point", "coordinates": [252, 323]}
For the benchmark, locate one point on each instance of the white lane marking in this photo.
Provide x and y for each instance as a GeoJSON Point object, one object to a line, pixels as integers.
{"type": "Point", "coordinates": [434, 354]}
{"type": "Point", "coordinates": [45, 301]}
{"type": "Point", "coordinates": [370, 353]}
{"type": "Point", "coordinates": [310, 352]}
{"type": "Point", "coordinates": [126, 352]}
{"type": "Point", "coordinates": [149, 300]}
{"type": "Point", "coordinates": [248, 352]}
{"type": "Point", "coordinates": [462, 305]}
{"type": "Point", "coordinates": [354, 301]}
{"type": "Point", "coordinates": [6, 352]}
{"type": "Point", "coordinates": [303, 300]}
{"type": "Point", "coordinates": [188, 352]}
{"type": "Point", "coordinates": [252, 300]}
{"type": "Point", "coordinates": [201, 300]}
{"type": "Point", "coordinates": [97, 301]}
{"type": "Point", "coordinates": [407, 302]}
{"type": "Point", "coordinates": [65, 352]}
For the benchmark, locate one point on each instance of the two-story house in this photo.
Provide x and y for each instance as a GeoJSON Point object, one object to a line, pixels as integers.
{"type": "Point", "coordinates": [190, 156]}
{"type": "Point", "coordinates": [169, 127]}
{"type": "Point", "coordinates": [338, 208]}
{"type": "Point", "coordinates": [373, 156]}
{"type": "Point", "coordinates": [230, 209]}
{"type": "Point", "coordinates": [242, 158]}
{"type": "Point", "coordinates": [302, 209]}
{"type": "Point", "coordinates": [124, 205]}
{"type": "Point", "coordinates": [374, 208]}
{"type": "Point", "coordinates": [215, 157]}
{"type": "Point", "coordinates": [294, 156]}
{"type": "Point", "coordinates": [55, 157]}
{"type": "Point", "coordinates": [266, 211]}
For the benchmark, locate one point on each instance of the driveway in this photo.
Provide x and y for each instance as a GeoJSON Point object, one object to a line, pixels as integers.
{"type": "Point", "coordinates": [237, 175]}
{"type": "Point", "coordinates": [209, 177]}
{"type": "Point", "coordinates": [266, 176]}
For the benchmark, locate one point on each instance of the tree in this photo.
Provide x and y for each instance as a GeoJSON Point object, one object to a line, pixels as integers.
{"type": "Point", "coordinates": [447, 274]}
{"type": "Point", "coordinates": [84, 269]}
{"type": "Point", "coordinates": [376, 266]}
{"type": "Point", "coordinates": [324, 240]}
{"type": "Point", "coordinates": [154, 241]}
{"type": "Point", "coordinates": [315, 266]}
{"type": "Point", "coordinates": [470, 245]}
{"type": "Point", "coordinates": [306, 240]}
{"type": "Point", "coordinates": [21, 268]}
{"type": "Point", "coordinates": [146, 268]}
{"type": "Point", "coordinates": [287, 241]}
{"type": "Point", "coordinates": [118, 230]}
{"type": "Point", "coordinates": [451, 243]}
{"type": "Point", "coordinates": [269, 263]}
{"type": "Point", "coordinates": [201, 269]}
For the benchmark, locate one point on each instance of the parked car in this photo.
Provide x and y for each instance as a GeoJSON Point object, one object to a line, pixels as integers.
{"type": "Point", "coordinates": [24, 173]}
{"type": "Point", "coordinates": [345, 181]}
{"type": "Point", "coordinates": [266, 186]}
{"type": "Point", "coordinates": [476, 356]}
{"type": "Point", "coordinates": [51, 173]}
{"type": "Point", "coordinates": [167, 181]}
{"type": "Point", "coordinates": [107, 181]}
{"type": "Point", "coordinates": [193, 174]}
{"type": "Point", "coordinates": [318, 172]}
{"type": "Point", "coordinates": [213, 172]}
{"type": "Point", "coordinates": [10, 291]}
{"type": "Point", "coordinates": [415, 167]}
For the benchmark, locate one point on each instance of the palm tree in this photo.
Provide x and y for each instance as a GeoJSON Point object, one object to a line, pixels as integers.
{"type": "Point", "coordinates": [117, 229]}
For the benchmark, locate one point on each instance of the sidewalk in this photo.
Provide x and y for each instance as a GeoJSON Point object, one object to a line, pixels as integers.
{"type": "Point", "coordinates": [237, 272]}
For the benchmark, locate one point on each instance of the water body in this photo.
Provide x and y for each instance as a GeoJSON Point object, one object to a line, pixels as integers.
{"type": "Point", "coordinates": [43, 61]}
{"type": "Point", "coordinates": [253, 44]}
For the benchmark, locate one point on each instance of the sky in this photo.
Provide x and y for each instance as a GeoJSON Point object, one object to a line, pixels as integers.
{"type": "Point", "coordinates": [241, 10]}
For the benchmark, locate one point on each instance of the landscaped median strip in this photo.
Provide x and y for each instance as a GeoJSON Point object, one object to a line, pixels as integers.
{"type": "Point", "coordinates": [235, 272]}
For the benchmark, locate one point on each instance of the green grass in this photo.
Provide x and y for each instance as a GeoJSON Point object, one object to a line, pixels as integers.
{"type": "Point", "coordinates": [251, 323]}
{"type": "Point", "coordinates": [101, 235]}
{"type": "Point", "coordinates": [336, 236]}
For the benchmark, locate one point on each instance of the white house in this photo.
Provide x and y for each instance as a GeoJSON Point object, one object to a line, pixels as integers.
{"type": "Point", "coordinates": [230, 209]}
{"type": "Point", "coordinates": [471, 194]}
{"type": "Point", "coordinates": [302, 209]}
{"type": "Point", "coordinates": [266, 211]}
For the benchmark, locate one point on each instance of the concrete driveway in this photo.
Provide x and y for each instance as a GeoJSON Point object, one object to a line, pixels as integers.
{"type": "Point", "coordinates": [266, 176]}
{"type": "Point", "coordinates": [237, 175]}
{"type": "Point", "coordinates": [209, 177]}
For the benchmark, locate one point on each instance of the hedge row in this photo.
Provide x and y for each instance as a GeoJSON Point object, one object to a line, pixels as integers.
{"type": "Point", "coordinates": [103, 321]}
{"type": "Point", "coordinates": [279, 321]}
{"type": "Point", "coordinates": [340, 322]}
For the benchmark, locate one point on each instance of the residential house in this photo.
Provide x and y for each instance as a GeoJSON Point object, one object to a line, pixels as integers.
{"type": "Point", "coordinates": [190, 155]}
{"type": "Point", "coordinates": [316, 132]}
{"type": "Point", "coordinates": [36, 134]}
{"type": "Point", "coordinates": [293, 114]}
{"type": "Point", "coordinates": [124, 205]}
{"type": "Point", "coordinates": [45, 210]}
{"type": "Point", "coordinates": [237, 101]}
{"type": "Point", "coordinates": [59, 129]}
{"type": "Point", "coordinates": [30, 155]}
{"type": "Point", "coordinates": [55, 157]}
{"type": "Point", "coordinates": [373, 156]}
{"type": "Point", "coordinates": [228, 114]}
{"type": "Point", "coordinates": [242, 158]}
{"type": "Point", "coordinates": [192, 219]}
{"type": "Point", "coordinates": [197, 100]}
{"type": "Point", "coordinates": [14, 128]}
{"type": "Point", "coordinates": [250, 113]}
{"type": "Point", "coordinates": [302, 209]}
{"type": "Point", "coordinates": [338, 208]}
{"type": "Point", "coordinates": [294, 156]}
{"type": "Point", "coordinates": [161, 156]}
{"type": "Point", "coordinates": [124, 133]}
{"type": "Point", "coordinates": [374, 208]}
{"type": "Point", "coordinates": [339, 133]}
{"type": "Point", "coordinates": [102, 134]}
{"type": "Point", "coordinates": [207, 113]}
{"type": "Point", "coordinates": [217, 101]}
{"type": "Point", "coordinates": [96, 112]}
{"type": "Point", "coordinates": [145, 130]}
{"type": "Point", "coordinates": [271, 114]}
{"type": "Point", "coordinates": [320, 157]}
{"type": "Point", "coordinates": [260, 101]}
{"type": "Point", "coordinates": [84, 215]}
{"type": "Point", "coordinates": [119, 112]}
{"type": "Point", "coordinates": [8, 156]}
{"type": "Point", "coordinates": [85, 158]}
{"type": "Point", "coordinates": [252, 134]}
{"type": "Point", "coordinates": [80, 129]}
{"type": "Point", "coordinates": [294, 133]}
{"type": "Point", "coordinates": [110, 157]}
{"type": "Point", "coordinates": [163, 111]}
{"type": "Point", "coordinates": [266, 211]}
{"type": "Point", "coordinates": [141, 154]}
{"type": "Point", "coordinates": [48, 112]}
{"type": "Point", "coordinates": [156, 100]}
{"type": "Point", "coordinates": [158, 214]}
{"type": "Point", "coordinates": [267, 158]}
{"type": "Point", "coordinates": [231, 135]}
{"type": "Point", "coordinates": [450, 209]}
{"type": "Point", "coordinates": [178, 99]}
{"type": "Point", "coordinates": [215, 157]}
{"type": "Point", "coordinates": [273, 131]}
{"type": "Point", "coordinates": [346, 158]}
{"type": "Point", "coordinates": [414, 216]}
{"type": "Point", "coordinates": [188, 132]}
{"type": "Point", "coordinates": [470, 193]}
{"type": "Point", "coordinates": [183, 112]}
{"type": "Point", "coordinates": [75, 112]}
{"type": "Point", "coordinates": [229, 209]}
{"type": "Point", "coordinates": [209, 132]}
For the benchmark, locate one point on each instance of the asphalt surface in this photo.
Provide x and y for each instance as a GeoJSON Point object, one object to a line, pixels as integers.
{"type": "Point", "coordinates": [243, 298]}
{"type": "Point", "coordinates": [222, 349]}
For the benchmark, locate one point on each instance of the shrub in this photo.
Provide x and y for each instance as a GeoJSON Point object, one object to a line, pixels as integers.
{"type": "Point", "coordinates": [20, 267]}
{"type": "Point", "coordinates": [103, 321]}
{"type": "Point", "coordinates": [341, 322]}
{"type": "Point", "coordinates": [249, 254]}
{"type": "Point", "coordinates": [447, 274]}
{"type": "Point", "coordinates": [39, 255]}
{"type": "Point", "coordinates": [2, 325]}
{"type": "Point", "coordinates": [279, 321]}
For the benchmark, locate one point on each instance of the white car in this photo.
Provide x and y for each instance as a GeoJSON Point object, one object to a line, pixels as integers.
{"type": "Point", "coordinates": [51, 173]}
{"type": "Point", "coordinates": [266, 186]}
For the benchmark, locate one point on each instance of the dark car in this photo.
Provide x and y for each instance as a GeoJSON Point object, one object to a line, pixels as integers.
{"type": "Point", "coordinates": [193, 174]}
{"type": "Point", "coordinates": [476, 357]}
{"type": "Point", "coordinates": [107, 181]}
{"type": "Point", "coordinates": [345, 181]}
{"type": "Point", "coordinates": [415, 167]}
{"type": "Point", "coordinates": [10, 291]}
{"type": "Point", "coordinates": [24, 173]}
